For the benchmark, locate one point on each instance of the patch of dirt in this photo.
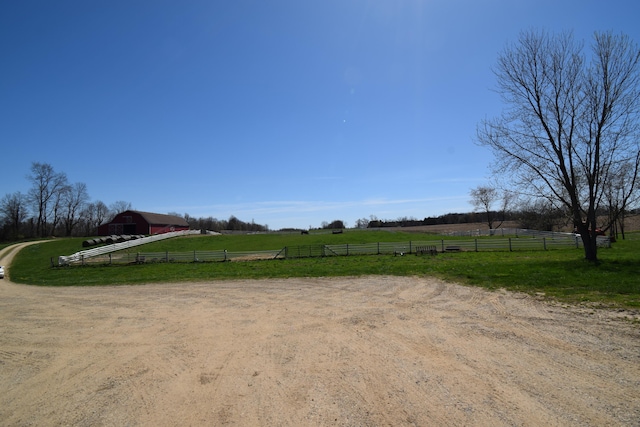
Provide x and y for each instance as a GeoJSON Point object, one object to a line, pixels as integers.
{"type": "Point", "coordinates": [353, 351]}
{"type": "Point", "coordinates": [632, 223]}
{"type": "Point", "coordinates": [451, 228]}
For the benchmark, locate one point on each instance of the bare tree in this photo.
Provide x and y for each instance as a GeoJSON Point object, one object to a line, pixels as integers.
{"type": "Point", "coordinates": [541, 214]}
{"type": "Point", "coordinates": [93, 215]}
{"type": "Point", "coordinates": [362, 223]}
{"type": "Point", "coordinates": [570, 120]}
{"type": "Point", "coordinates": [13, 210]}
{"type": "Point", "coordinates": [57, 206]}
{"type": "Point", "coordinates": [617, 194]}
{"type": "Point", "coordinates": [485, 199]}
{"type": "Point", "coordinates": [47, 185]}
{"type": "Point", "coordinates": [74, 199]}
{"type": "Point", "coordinates": [119, 206]}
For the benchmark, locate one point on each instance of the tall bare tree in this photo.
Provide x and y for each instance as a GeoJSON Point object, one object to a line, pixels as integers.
{"type": "Point", "coordinates": [57, 207]}
{"type": "Point", "coordinates": [74, 198]}
{"type": "Point", "coordinates": [570, 120]}
{"type": "Point", "coordinates": [47, 185]}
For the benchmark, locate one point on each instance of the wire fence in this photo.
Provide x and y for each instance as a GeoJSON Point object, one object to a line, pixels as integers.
{"type": "Point", "coordinates": [521, 243]}
{"type": "Point", "coordinates": [168, 256]}
{"type": "Point", "coordinates": [436, 246]}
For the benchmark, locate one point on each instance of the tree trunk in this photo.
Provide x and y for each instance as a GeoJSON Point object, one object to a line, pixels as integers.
{"type": "Point", "coordinates": [590, 248]}
{"type": "Point", "coordinates": [589, 241]}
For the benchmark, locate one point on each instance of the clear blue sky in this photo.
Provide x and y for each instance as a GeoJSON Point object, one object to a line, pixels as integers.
{"type": "Point", "coordinates": [288, 113]}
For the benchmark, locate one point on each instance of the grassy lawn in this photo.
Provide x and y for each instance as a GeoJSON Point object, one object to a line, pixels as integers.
{"type": "Point", "coordinates": [561, 274]}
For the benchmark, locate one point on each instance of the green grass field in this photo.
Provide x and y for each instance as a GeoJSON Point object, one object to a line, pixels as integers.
{"type": "Point", "coordinates": [561, 274]}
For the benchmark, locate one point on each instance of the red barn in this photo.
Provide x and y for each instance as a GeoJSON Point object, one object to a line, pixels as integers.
{"type": "Point", "coordinates": [135, 222]}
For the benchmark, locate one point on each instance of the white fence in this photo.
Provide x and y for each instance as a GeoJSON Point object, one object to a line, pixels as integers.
{"type": "Point", "coordinates": [526, 240]}
{"type": "Point", "coordinates": [103, 250]}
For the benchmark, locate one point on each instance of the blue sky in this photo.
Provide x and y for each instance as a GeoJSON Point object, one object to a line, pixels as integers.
{"type": "Point", "coordinates": [287, 113]}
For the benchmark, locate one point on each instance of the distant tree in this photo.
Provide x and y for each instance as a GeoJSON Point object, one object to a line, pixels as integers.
{"type": "Point", "coordinates": [46, 187]}
{"type": "Point", "coordinates": [101, 213]}
{"type": "Point", "coordinates": [193, 222]}
{"type": "Point", "coordinates": [14, 211]}
{"type": "Point", "coordinates": [482, 199]}
{"type": "Point", "coordinates": [541, 214]}
{"type": "Point", "coordinates": [492, 203]}
{"type": "Point", "coordinates": [570, 121]}
{"type": "Point", "coordinates": [74, 199]}
{"type": "Point", "coordinates": [362, 223]}
{"type": "Point", "coordinates": [616, 191]}
{"type": "Point", "coordinates": [234, 223]}
{"type": "Point", "coordinates": [119, 206]}
{"type": "Point", "coordinates": [57, 207]}
{"type": "Point", "coordinates": [334, 225]}
{"type": "Point", "coordinates": [93, 215]}
{"type": "Point", "coordinates": [208, 223]}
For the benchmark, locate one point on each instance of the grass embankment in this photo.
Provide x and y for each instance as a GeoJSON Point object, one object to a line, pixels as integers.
{"type": "Point", "coordinates": [562, 274]}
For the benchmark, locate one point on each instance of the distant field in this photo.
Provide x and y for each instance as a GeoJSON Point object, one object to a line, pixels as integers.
{"type": "Point", "coordinates": [632, 223]}
{"type": "Point", "coordinates": [448, 228]}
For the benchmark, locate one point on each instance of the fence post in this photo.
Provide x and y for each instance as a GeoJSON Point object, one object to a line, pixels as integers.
{"type": "Point", "coordinates": [378, 248]}
{"type": "Point", "coordinates": [166, 256]}
{"type": "Point", "coordinates": [195, 258]}
{"type": "Point", "coordinates": [442, 243]}
{"type": "Point", "coordinates": [476, 240]}
{"type": "Point", "coordinates": [544, 243]}
{"type": "Point", "coordinates": [410, 249]}
{"type": "Point", "coordinates": [110, 260]}
{"type": "Point", "coordinates": [510, 248]}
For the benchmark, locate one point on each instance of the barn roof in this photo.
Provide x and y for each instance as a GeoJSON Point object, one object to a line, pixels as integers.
{"type": "Point", "coordinates": [162, 219]}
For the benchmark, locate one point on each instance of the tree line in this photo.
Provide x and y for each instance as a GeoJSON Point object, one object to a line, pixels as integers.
{"type": "Point", "coordinates": [214, 224]}
{"type": "Point", "coordinates": [53, 206]}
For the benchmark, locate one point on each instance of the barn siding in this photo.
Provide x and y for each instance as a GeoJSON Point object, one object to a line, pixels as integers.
{"type": "Point", "coordinates": [133, 222]}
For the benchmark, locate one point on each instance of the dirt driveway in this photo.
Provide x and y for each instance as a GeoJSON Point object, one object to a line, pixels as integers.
{"type": "Point", "coordinates": [365, 351]}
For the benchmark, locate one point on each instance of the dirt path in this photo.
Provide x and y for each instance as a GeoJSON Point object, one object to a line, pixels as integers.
{"type": "Point", "coordinates": [366, 351]}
